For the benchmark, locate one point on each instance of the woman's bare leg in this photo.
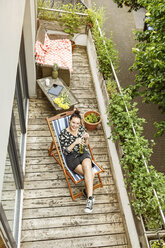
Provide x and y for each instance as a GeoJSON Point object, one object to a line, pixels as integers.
{"type": "Point", "coordinates": [79, 169]}
{"type": "Point", "coordinates": [86, 170]}
{"type": "Point", "coordinates": [88, 176]}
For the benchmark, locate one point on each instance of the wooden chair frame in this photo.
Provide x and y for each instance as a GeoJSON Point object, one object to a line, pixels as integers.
{"type": "Point", "coordinates": [55, 152]}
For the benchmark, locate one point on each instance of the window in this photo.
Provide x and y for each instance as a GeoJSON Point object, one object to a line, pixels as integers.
{"type": "Point", "coordinates": [9, 193]}
{"type": "Point", "coordinates": [13, 176]}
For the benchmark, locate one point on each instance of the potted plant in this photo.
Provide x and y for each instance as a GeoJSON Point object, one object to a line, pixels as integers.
{"type": "Point", "coordinates": [91, 119]}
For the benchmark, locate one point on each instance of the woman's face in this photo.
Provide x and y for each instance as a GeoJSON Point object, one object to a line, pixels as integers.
{"type": "Point", "coordinates": [74, 123]}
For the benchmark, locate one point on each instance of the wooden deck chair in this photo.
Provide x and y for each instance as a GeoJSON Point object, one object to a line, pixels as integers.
{"type": "Point", "coordinates": [58, 123]}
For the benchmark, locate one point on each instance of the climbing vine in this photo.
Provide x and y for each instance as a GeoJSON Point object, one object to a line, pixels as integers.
{"type": "Point", "coordinates": [68, 18]}
{"type": "Point", "coordinates": [136, 151]}
{"type": "Point", "coordinates": [104, 46]}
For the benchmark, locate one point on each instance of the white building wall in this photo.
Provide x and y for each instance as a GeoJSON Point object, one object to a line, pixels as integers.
{"type": "Point", "coordinates": [11, 20]}
{"type": "Point", "coordinates": [29, 30]}
{"type": "Point", "coordinates": [15, 15]}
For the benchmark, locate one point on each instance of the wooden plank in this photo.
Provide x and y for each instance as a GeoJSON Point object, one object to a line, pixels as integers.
{"type": "Point", "coordinates": [114, 241]}
{"type": "Point", "coordinates": [8, 195]}
{"type": "Point", "coordinates": [41, 193]}
{"type": "Point", "coordinates": [8, 204]}
{"type": "Point", "coordinates": [9, 215]}
{"type": "Point", "coordinates": [85, 106]}
{"type": "Point", "coordinates": [71, 220]}
{"type": "Point", "coordinates": [66, 201]}
{"type": "Point", "coordinates": [72, 231]}
{"type": "Point", "coordinates": [55, 168]}
{"type": "Point", "coordinates": [37, 121]}
{"type": "Point", "coordinates": [41, 176]}
{"type": "Point", "coordinates": [9, 178]}
{"type": "Point", "coordinates": [87, 81]}
{"type": "Point", "coordinates": [77, 209]}
{"type": "Point", "coordinates": [44, 145]}
{"type": "Point", "coordinates": [44, 152]}
{"type": "Point", "coordinates": [79, 63]}
{"type": "Point", "coordinates": [59, 183]}
{"type": "Point", "coordinates": [81, 70]}
{"type": "Point", "coordinates": [50, 160]}
{"type": "Point", "coordinates": [43, 138]}
{"type": "Point", "coordinates": [9, 185]}
{"type": "Point", "coordinates": [86, 93]}
{"type": "Point", "coordinates": [34, 155]}
{"type": "Point", "coordinates": [51, 165]}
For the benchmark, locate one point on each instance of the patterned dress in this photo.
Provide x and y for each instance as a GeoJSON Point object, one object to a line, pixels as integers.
{"type": "Point", "coordinates": [74, 157]}
{"type": "Point", "coordinates": [66, 139]}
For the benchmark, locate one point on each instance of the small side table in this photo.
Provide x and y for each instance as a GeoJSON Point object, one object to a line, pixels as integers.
{"type": "Point", "coordinates": [42, 84]}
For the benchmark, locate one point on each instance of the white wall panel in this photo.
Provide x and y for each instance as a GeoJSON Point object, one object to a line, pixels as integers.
{"type": "Point", "coordinates": [11, 22]}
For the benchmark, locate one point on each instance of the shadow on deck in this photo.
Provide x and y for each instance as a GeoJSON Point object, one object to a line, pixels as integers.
{"type": "Point", "coordinates": [50, 217]}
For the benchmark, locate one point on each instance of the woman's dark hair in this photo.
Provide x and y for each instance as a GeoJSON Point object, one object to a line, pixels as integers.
{"type": "Point", "coordinates": [76, 114]}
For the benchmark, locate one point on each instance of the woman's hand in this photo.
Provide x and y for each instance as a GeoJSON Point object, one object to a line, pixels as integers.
{"type": "Point", "coordinates": [78, 141]}
{"type": "Point", "coordinates": [86, 136]}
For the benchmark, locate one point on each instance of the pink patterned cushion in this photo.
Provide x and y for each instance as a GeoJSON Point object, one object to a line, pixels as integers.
{"type": "Point", "coordinates": [54, 51]}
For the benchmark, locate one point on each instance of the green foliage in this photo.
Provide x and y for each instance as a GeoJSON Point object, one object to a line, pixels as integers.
{"type": "Point", "coordinates": [161, 128]}
{"type": "Point", "coordinates": [150, 54]}
{"type": "Point", "coordinates": [104, 46]}
{"type": "Point", "coordinates": [71, 21]}
{"type": "Point", "coordinates": [158, 244]}
{"type": "Point", "coordinates": [111, 87]}
{"type": "Point", "coordinates": [92, 118]}
{"type": "Point", "coordinates": [136, 150]}
{"type": "Point", "coordinates": [55, 67]}
{"type": "Point", "coordinates": [43, 13]}
{"type": "Point", "coordinates": [149, 60]}
{"type": "Point", "coordinates": [65, 97]}
{"type": "Point", "coordinates": [133, 4]}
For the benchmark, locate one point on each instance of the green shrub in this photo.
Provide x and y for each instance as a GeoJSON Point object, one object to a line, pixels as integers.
{"type": "Point", "coordinates": [157, 244]}
{"type": "Point", "coordinates": [136, 151]}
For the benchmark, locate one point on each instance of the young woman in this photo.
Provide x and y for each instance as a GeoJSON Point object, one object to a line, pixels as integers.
{"type": "Point", "coordinates": [71, 139]}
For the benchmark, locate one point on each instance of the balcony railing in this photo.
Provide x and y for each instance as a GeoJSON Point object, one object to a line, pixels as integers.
{"type": "Point", "coordinates": [119, 88]}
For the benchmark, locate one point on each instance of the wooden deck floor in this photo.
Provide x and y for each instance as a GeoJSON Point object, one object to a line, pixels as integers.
{"type": "Point", "coordinates": [50, 218]}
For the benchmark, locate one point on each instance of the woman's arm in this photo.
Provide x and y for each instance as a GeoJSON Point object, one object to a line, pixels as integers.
{"type": "Point", "coordinates": [86, 138]}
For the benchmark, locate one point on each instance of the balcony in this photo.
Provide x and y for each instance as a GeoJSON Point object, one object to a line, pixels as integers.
{"type": "Point", "coordinates": [50, 217]}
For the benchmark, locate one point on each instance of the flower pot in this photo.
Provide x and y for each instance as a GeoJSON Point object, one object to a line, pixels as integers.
{"type": "Point", "coordinates": [89, 125]}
